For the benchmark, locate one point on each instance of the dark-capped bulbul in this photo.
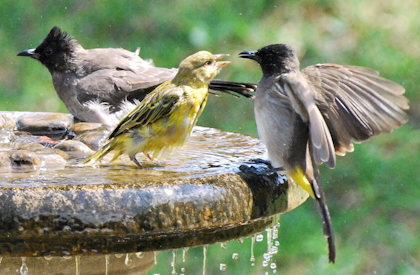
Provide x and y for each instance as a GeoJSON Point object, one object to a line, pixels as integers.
{"type": "Point", "coordinates": [306, 117]}
{"type": "Point", "coordinates": [106, 76]}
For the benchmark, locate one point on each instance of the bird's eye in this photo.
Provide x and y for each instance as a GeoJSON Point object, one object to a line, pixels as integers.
{"type": "Point", "coordinates": [208, 63]}
{"type": "Point", "coordinates": [48, 51]}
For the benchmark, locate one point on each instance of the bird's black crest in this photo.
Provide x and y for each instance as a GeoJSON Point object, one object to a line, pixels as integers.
{"type": "Point", "coordinates": [276, 59]}
{"type": "Point", "coordinates": [56, 48]}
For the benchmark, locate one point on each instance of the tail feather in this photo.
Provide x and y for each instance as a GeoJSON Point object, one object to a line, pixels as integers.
{"type": "Point", "coordinates": [98, 155]}
{"type": "Point", "coordinates": [323, 211]}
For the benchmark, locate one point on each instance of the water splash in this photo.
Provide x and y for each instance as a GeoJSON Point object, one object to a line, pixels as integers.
{"type": "Point", "coordinates": [222, 267]}
{"type": "Point", "coordinates": [128, 259]}
{"type": "Point", "coordinates": [118, 255]}
{"type": "Point", "coordinates": [173, 264]}
{"type": "Point", "coordinates": [23, 268]}
{"type": "Point", "coordinates": [235, 256]}
{"type": "Point", "coordinates": [259, 237]}
{"type": "Point", "coordinates": [77, 260]}
{"type": "Point", "coordinates": [205, 250]}
{"type": "Point", "coordinates": [107, 264]}
{"type": "Point", "coordinates": [139, 255]}
{"type": "Point", "coordinates": [223, 245]}
{"type": "Point", "coordinates": [48, 258]}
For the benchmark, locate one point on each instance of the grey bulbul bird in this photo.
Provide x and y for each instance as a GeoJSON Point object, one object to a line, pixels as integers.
{"type": "Point", "coordinates": [306, 117]}
{"type": "Point", "coordinates": [107, 76]}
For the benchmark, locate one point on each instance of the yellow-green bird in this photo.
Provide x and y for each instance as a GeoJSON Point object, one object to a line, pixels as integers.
{"type": "Point", "coordinates": [165, 118]}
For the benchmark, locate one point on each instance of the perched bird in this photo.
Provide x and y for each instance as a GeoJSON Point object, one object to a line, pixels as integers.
{"type": "Point", "coordinates": [306, 117]}
{"type": "Point", "coordinates": [105, 76]}
{"type": "Point", "coordinates": [166, 116]}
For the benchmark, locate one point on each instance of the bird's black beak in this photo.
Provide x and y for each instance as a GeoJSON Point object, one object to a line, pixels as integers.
{"type": "Point", "coordinates": [250, 55]}
{"type": "Point", "coordinates": [30, 53]}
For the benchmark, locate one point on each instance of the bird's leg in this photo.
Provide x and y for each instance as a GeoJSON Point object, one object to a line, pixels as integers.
{"type": "Point", "coordinates": [133, 158]}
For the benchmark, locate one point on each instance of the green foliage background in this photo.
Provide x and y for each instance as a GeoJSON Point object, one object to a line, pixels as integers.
{"type": "Point", "coordinates": [373, 194]}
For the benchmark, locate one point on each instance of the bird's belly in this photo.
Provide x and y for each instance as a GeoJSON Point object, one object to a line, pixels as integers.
{"type": "Point", "coordinates": [164, 139]}
{"type": "Point", "coordinates": [276, 124]}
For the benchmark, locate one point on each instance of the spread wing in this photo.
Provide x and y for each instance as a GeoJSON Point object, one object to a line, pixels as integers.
{"type": "Point", "coordinates": [158, 104]}
{"type": "Point", "coordinates": [115, 85]}
{"type": "Point", "coordinates": [356, 103]}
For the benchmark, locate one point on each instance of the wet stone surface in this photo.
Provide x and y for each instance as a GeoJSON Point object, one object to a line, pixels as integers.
{"type": "Point", "coordinates": [209, 190]}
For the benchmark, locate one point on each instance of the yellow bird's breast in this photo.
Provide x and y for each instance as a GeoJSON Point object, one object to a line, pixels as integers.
{"type": "Point", "coordinates": [171, 132]}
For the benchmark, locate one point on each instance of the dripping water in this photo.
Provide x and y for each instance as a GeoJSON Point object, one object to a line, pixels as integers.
{"type": "Point", "coordinates": [77, 259]}
{"type": "Point", "coordinates": [155, 255]}
{"type": "Point", "coordinates": [252, 259]}
{"type": "Point", "coordinates": [184, 254]}
{"type": "Point", "coordinates": [23, 268]}
{"type": "Point", "coordinates": [106, 264]}
{"type": "Point", "coordinates": [128, 259]}
{"type": "Point", "coordinates": [205, 249]}
{"type": "Point", "coordinates": [173, 264]}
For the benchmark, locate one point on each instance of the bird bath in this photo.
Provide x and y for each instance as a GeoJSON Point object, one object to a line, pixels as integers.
{"type": "Point", "coordinates": [208, 191]}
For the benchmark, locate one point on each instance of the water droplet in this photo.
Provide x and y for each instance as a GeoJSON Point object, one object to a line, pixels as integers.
{"type": "Point", "coordinates": [223, 245]}
{"type": "Point", "coordinates": [241, 240]}
{"type": "Point", "coordinates": [48, 258]}
{"type": "Point", "coordinates": [182, 269]}
{"type": "Point", "coordinates": [128, 259]}
{"type": "Point", "coordinates": [184, 254]}
{"type": "Point", "coordinates": [273, 265]}
{"type": "Point", "coordinates": [106, 264]}
{"type": "Point", "coordinates": [139, 255]}
{"type": "Point", "coordinates": [267, 257]}
{"type": "Point", "coordinates": [259, 237]}
{"type": "Point", "coordinates": [275, 233]}
{"type": "Point", "coordinates": [276, 243]}
{"type": "Point", "coordinates": [67, 257]}
{"type": "Point", "coordinates": [235, 256]}
{"type": "Point", "coordinates": [264, 263]}
{"type": "Point", "coordinates": [118, 255]}
{"type": "Point", "coordinates": [23, 268]}
{"type": "Point", "coordinates": [223, 267]}
{"type": "Point", "coordinates": [274, 250]}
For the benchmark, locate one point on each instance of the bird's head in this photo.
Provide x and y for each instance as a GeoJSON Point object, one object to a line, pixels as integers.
{"type": "Point", "coordinates": [200, 68]}
{"type": "Point", "coordinates": [274, 59]}
{"type": "Point", "coordinates": [55, 52]}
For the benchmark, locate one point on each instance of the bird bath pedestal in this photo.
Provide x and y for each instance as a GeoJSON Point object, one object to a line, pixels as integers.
{"type": "Point", "coordinates": [208, 191]}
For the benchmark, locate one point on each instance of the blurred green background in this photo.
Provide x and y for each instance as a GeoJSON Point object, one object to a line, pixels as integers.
{"type": "Point", "coordinates": [373, 194]}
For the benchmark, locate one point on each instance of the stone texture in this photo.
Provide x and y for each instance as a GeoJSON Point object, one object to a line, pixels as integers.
{"type": "Point", "coordinates": [18, 159]}
{"type": "Point", "coordinates": [74, 148]}
{"type": "Point", "coordinates": [94, 139]}
{"type": "Point", "coordinates": [83, 127]}
{"type": "Point", "coordinates": [52, 124]}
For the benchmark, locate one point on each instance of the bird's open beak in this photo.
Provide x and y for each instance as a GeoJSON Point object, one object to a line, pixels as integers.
{"type": "Point", "coordinates": [220, 64]}
{"type": "Point", "coordinates": [30, 53]}
{"type": "Point", "coordinates": [250, 55]}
